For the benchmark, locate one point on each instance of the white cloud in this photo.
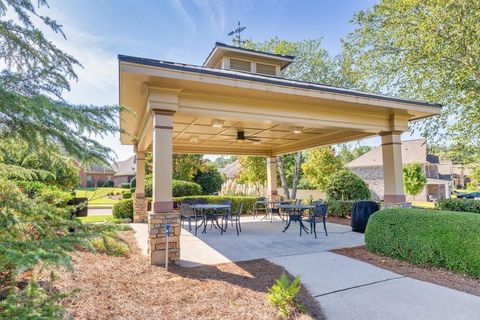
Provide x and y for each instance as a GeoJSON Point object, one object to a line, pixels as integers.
{"type": "Point", "coordinates": [178, 5]}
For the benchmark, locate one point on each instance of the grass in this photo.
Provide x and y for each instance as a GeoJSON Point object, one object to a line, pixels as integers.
{"type": "Point", "coordinates": [103, 218]}
{"type": "Point", "coordinates": [97, 197]}
{"type": "Point", "coordinates": [444, 239]}
{"type": "Point", "coordinates": [424, 204]}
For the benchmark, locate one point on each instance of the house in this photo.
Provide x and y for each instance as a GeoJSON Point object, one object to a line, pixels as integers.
{"type": "Point", "coordinates": [231, 170]}
{"type": "Point", "coordinates": [96, 174]}
{"type": "Point", "coordinates": [458, 174]}
{"type": "Point", "coordinates": [370, 168]}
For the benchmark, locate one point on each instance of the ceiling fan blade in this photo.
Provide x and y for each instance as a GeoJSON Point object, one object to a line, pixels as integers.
{"type": "Point", "coordinates": [252, 139]}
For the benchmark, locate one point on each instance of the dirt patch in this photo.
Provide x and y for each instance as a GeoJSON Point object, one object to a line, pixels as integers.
{"type": "Point", "coordinates": [129, 288]}
{"type": "Point", "coordinates": [438, 276]}
{"type": "Point", "coordinates": [339, 220]}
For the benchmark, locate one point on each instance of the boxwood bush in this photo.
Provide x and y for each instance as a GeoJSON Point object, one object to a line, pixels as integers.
{"type": "Point", "coordinates": [463, 205]}
{"type": "Point", "coordinates": [126, 195]}
{"type": "Point", "coordinates": [444, 239]}
{"type": "Point", "coordinates": [346, 185]}
{"type": "Point", "coordinates": [123, 209]}
{"type": "Point", "coordinates": [180, 188]}
{"type": "Point", "coordinates": [248, 202]}
{"type": "Point", "coordinates": [339, 208]}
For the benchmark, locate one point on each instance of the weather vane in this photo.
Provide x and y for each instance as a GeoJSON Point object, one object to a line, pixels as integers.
{"type": "Point", "coordinates": [237, 40]}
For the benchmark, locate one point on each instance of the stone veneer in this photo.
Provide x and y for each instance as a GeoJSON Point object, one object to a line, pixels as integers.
{"type": "Point", "coordinates": [157, 237]}
{"type": "Point", "coordinates": [140, 209]}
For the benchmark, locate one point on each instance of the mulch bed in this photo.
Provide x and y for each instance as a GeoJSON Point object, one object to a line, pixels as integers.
{"type": "Point", "coordinates": [438, 276]}
{"type": "Point", "coordinates": [130, 288]}
{"type": "Point", "coordinates": [339, 220]}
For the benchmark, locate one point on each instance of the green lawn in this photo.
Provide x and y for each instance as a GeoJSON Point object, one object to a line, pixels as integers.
{"type": "Point", "coordinates": [424, 204]}
{"type": "Point", "coordinates": [97, 196]}
{"type": "Point", "coordinates": [106, 218]}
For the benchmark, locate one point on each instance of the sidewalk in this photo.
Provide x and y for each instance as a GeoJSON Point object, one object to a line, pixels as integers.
{"type": "Point", "coordinates": [350, 289]}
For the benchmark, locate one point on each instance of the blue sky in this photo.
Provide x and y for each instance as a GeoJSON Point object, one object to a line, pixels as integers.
{"type": "Point", "coordinates": [182, 31]}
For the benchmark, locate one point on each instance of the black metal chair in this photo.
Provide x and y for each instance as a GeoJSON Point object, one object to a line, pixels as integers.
{"type": "Point", "coordinates": [235, 218]}
{"type": "Point", "coordinates": [187, 213]}
{"type": "Point", "coordinates": [319, 214]}
{"type": "Point", "coordinates": [262, 207]}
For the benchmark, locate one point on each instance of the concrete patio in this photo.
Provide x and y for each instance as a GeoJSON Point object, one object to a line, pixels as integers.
{"type": "Point", "coordinates": [258, 240]}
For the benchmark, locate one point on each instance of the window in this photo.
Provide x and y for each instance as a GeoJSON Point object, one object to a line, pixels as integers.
{"type": "Point", "coordinates": [240, 65]}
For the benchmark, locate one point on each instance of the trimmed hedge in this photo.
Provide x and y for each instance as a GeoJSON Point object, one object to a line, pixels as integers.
{"type": "Point", "coordinates": [444, 239]}
{"type": "Point", "coordinates": [340, 208]}
{"type": "Point", "coordinates": [180, 188]}
{"type": "Point", "coordinates": [346, 185]}
{"type": "Point", "coordinates": [123, 209]}
{"type": "Point", "coordinates": [248, 202]}
{"type": "Point", "coordinates": [462, 205]}
{"type": "Point", "coordinates": [125, 185]}
{"type": "Point", "coordinates": [126, 195]}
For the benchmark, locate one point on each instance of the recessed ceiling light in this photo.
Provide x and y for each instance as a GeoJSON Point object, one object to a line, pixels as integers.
{"type": "Point", "coordinates": [217, 123]}
{"type": "Point", "coordinates": [296, 129]}
{"type": "Point", "coordinates": [194, 139]}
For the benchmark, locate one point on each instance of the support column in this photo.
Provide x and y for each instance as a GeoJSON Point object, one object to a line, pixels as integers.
{"type": "Point", "coordinates": [392, 169]}
{"type": "Point", "coordinates": [162, 205]}
{"type": "Point", "coordinates": [272, 178]}
{"type": "Point", "coordinates": [140, 203]}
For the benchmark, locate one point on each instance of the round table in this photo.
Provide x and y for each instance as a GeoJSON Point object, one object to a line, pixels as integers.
{"type": "Point", "coordinates": [270, 208]}
{"type": "Point", "coordinates": [295, 213]}
{"type": "Point", "coordinates": [204, 208]}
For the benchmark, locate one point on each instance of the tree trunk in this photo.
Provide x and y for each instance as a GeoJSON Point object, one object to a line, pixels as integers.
{"type": "Point", "coordinates": [283, 177]}
{"type": "Point", "coordinates": [296, 174]}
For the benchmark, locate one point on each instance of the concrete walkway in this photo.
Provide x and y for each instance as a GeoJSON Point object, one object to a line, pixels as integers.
{"type": "Point", "coordinates": [350, 289]}
{"type": "Point", "coordinates": [345, 288]}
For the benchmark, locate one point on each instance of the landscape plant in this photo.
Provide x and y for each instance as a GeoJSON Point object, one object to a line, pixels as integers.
{"type": "Point", "coordinates": [461, 205]}
{"type": "Point", "coordinates": [283, 295]}
{"type": "Point", "coordinates": [444, 239]}
{"type": "Point", "coordinates": [320, 165]}
{"type": "Point", "coordinates": [123, 209]}
{"type": "Point", "coordinates": [414, 179]}
{"type": "Point", "coordinates": [345, 185]}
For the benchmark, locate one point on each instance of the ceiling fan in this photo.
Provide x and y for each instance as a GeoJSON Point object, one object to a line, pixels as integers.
{"type": "Point", "coordinates": [241, 137]}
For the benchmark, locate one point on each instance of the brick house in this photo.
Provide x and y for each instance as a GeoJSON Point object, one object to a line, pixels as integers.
{"type": "Point", "coordinates": [95, 174]}
{"type": "Point", "coordinates": [370, 168]}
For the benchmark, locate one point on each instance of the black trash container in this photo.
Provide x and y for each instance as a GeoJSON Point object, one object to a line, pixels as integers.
{"type": "Point", "coordinates": [361, 212]}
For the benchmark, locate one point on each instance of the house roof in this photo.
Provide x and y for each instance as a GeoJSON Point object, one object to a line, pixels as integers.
{"type": "Point", "coordinates": [412, 151]}
{"type": "Point", "coordinates": [266, 79]}
{"type": "Point", "coordinates": [99, 168]}
{"type": "Point", "coordinates": [125, 167]}
{"type": "Point", "coordinates": [231, 170]}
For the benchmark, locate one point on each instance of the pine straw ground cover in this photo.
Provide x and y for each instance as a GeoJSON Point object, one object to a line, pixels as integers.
{"type": "Point", "coordinates": [129, 288]}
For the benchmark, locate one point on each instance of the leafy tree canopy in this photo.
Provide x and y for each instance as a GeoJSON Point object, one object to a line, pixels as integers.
{"type": "Point", "coordinates": [35, 74]}
{"type": "Point", "coordinates": [253, 170]}
{"type": "Point", "coordinates": [413, 179]}
{"type": "Point", "coordinates": [425, 50]}
{"type": "Point", "coordinates": [347, 154]}
{"type": "Point", "coordinates": [209, 178]}
{"type": "Point", "coordinates": [321, 163]}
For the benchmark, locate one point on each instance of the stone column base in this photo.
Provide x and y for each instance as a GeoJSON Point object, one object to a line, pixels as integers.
{"type": "Point", "coordinates": [140, 209]}
{"type": "Point", "coordinates": [396, 205]}
{"type": "Point", "coordinates": [157, 239]}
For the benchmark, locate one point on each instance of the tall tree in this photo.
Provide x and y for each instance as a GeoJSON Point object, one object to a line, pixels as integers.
{"type": "Point", "coordinates": [185, 166]}
{"type": "Point", "coordinates": [413, 179]}
{"type": "Point", "coordinates": [252, 169]}
{"type": "Point", "coordinates": [34, 76]}
{"type": "Point", "coordinates": [320, 164]}
{"type": "Point", "coordinates": [425, 50]}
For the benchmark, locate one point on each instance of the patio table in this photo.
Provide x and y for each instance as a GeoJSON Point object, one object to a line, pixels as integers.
{"type": "Point", "coordinates": [270, 206]}
{"type": "Point", "coordinates": [295, 213]}
{"type": "Point", "coordinates": [204, 209]}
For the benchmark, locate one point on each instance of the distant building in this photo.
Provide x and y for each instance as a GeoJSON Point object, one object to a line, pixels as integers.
{"type": "Point", "coordinates": [370, 168]}
{"type": "Point", "coordinates": [231, 170]}
{"type": "Point", "coordinates": [97, 174]}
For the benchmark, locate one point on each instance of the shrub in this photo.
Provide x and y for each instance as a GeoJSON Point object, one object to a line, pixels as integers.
{"type": "Point", "coordinates": [125, 185]}
{"type": "Point", "coordinates": [340, 208]}
{"type": "Point", "coordinates": [463, 205]}
{"type": "Point", "coordinates": [30, 188]}
{"type": "Point", "coordinates": [284, 296]}
{"type": "Point", "coordinates": [345, 185]}
{"type": "Point", "coordinates": [126, 195]}
{"type": "Point", "coordinates": [105, 184]}
{"type": "Point", "coordinates": [209, 179]}
{"type": "Point", "coordinates": [248, 202]}
{"type": "Point", "coordinates": [180, 188]}
{"type": "Point", "coordinates": [444, 239]}
{"type": "Point", "coordinates": [123, 209]}
{"type": "Point", "coordinates": [133, 182]}
{"type": "Point", "coordinates": [132, 190]}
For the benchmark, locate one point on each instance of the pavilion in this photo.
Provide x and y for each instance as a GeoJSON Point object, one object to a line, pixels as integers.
{"type": "Point", "coordinates": [237, 103]}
